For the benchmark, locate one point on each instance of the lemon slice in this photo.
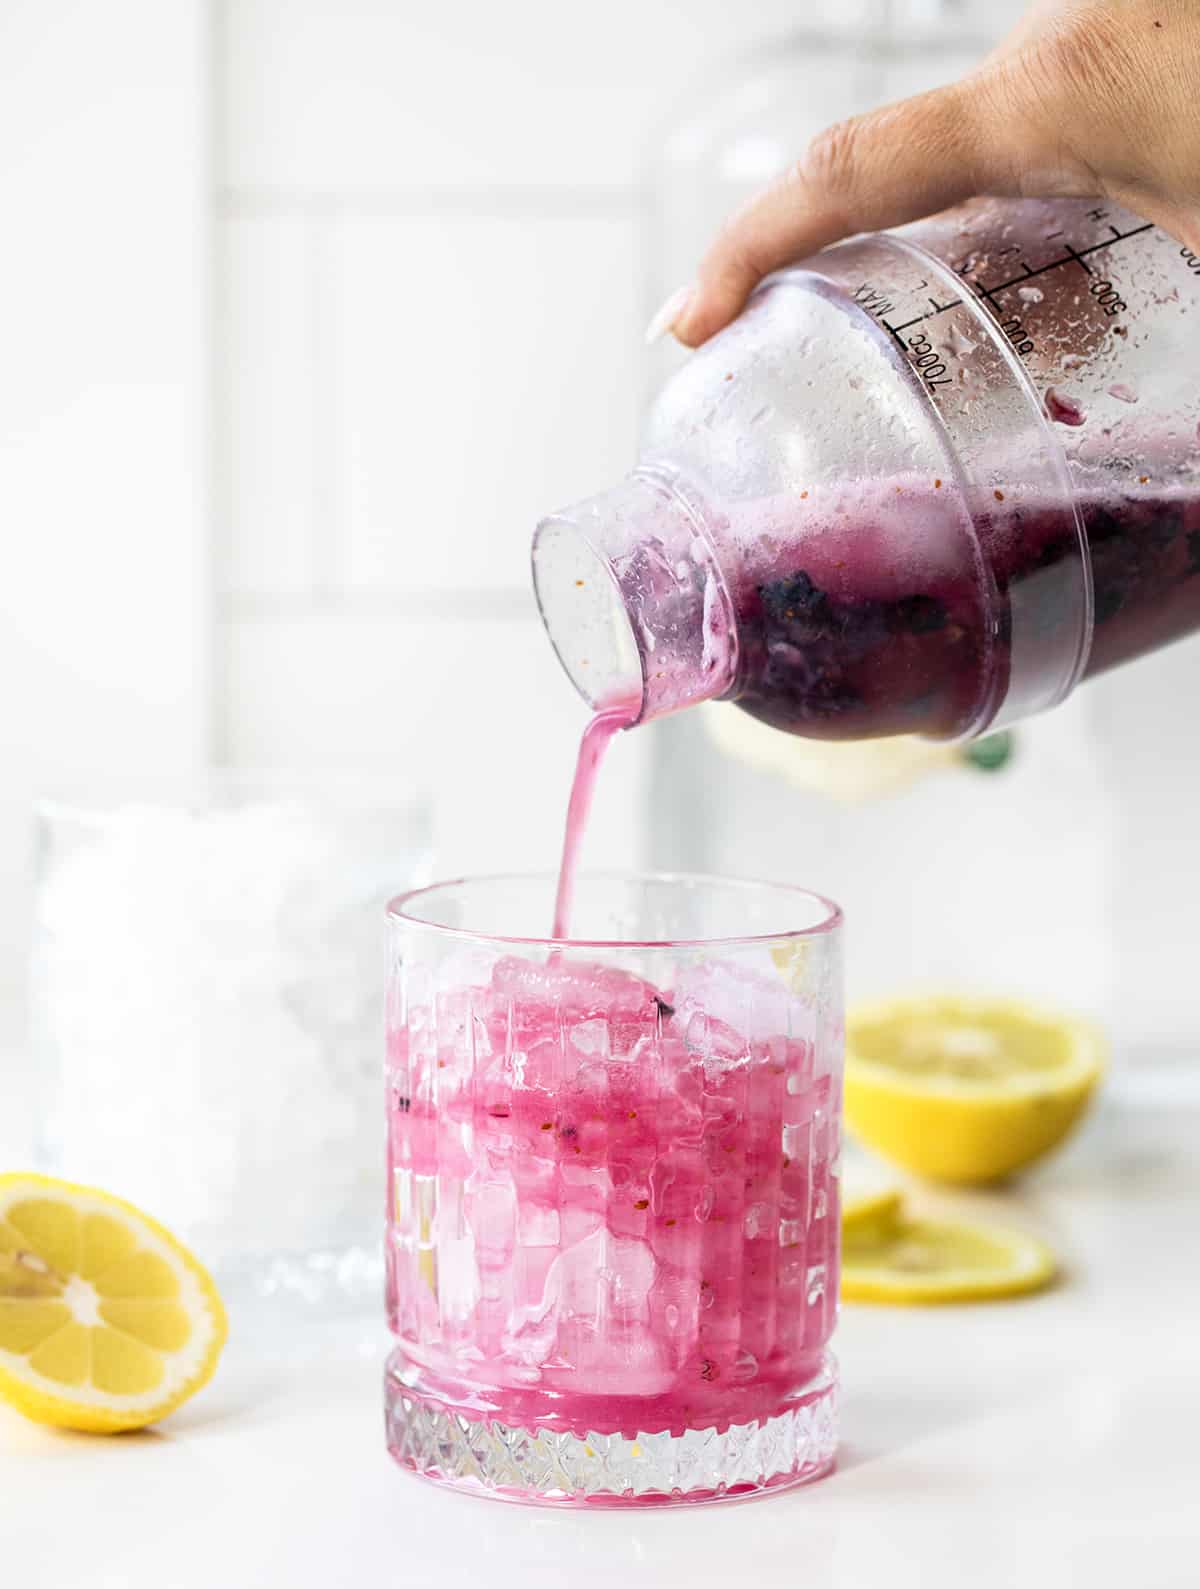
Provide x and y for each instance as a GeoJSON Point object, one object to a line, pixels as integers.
{"type": "Point", "coordinates": [873, 1215]}
{"type": "Point", "coordinates": [967, 1090]}
{"type": "Point", "coordinates": [928, 1261]}
{"type": "Point", "coordinates": [106, 1321]}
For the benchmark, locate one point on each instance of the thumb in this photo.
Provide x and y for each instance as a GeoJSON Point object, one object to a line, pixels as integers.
{"type": "Point", "coordinates": [895, 164]}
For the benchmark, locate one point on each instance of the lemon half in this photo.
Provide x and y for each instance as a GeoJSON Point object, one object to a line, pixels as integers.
{"type": "Point", "coordinates": [967, 1090]}
{"type": "Point", "coordinates": [106, 1321]}
{"type": "Point", "coordinates": [931, 1261]}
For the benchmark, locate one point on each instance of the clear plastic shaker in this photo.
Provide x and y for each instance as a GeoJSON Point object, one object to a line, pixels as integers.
{"type": "Point", "coordinates": [927, 481]}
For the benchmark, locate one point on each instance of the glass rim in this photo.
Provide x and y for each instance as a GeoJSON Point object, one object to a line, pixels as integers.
{"type": "Point", "coordinates": [351, 786]}
{"type": "Point", "coordinates": [398, 909]}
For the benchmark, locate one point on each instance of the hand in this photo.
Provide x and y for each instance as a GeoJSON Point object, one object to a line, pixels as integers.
{"type": "Point", "coordinates": [1086, 98]}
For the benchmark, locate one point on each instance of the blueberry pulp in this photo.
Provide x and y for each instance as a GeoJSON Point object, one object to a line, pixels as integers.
{"type": "Point", "coordinates": [829, 650]}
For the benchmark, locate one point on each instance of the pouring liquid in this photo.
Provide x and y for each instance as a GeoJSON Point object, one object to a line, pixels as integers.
{"type": "Point", "coordinates": [598, 734]}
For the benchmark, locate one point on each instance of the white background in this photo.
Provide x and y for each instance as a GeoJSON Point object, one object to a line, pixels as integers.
{"type": "Point", "coordinates": [307, 311]}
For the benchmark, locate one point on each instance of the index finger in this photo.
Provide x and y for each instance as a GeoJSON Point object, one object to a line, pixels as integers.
{"type": "Point", "coordinates": [892, 165]}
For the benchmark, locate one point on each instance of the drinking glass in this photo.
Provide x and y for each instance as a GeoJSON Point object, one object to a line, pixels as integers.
{"type": "Point", "coordinates": [612, 1243]}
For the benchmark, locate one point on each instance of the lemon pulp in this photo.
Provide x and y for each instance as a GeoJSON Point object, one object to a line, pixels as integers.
{"type": "Point", "coordinates": [106, 1321]}
{"type": "Point", "coordinates": [967, 1090]}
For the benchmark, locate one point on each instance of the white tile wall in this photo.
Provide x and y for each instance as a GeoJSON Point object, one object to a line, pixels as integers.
{"type": "Point", "coordinates": [470, 706]}
{"type": "Point", "coordinates": [274, 406]}
{"type": "Point", "coordinates": [435, 252]}
{"type": "Point", "coordinates": [433, 291]}
{"type": "Point", "coordinates": [354, 98]}
{"type": "Point", "coordinates": [487, 368]}
{"type": "Point", "coordinates": [104, 343]}
{"type": "Point", "coordinates": [1144, 718]}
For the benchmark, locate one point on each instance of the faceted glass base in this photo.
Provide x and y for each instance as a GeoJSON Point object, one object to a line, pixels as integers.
{"type": "Point", "coordinates": [431, 1437]}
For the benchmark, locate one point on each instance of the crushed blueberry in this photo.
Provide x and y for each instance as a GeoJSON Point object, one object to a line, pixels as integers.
{"type": "Point", "coordinates": [796, 597]}
{"type": "Point", "coordinates": [919, 614]}
{"type": "Point", "coordinates": [843, 661]}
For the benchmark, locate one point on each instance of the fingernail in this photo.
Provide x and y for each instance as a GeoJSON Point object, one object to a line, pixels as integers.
{"type": "Point", "coordinates": [664, 320]}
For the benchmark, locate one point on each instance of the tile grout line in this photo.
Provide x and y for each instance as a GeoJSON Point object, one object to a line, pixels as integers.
{"type": "Point", "coordinates": [550, 202]}
{"type": "Point", "coordinates": [220, 379]}
{"type": "Point", "coordinates": [441, 606]}
{"type": "Point", "coordinates": [325, 550]}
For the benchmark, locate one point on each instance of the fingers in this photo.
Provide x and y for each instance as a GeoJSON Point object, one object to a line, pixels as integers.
{"type": "Point", "coordinates": [893, 165]}
{"type": "Point", "coordinates": [1085, 97]}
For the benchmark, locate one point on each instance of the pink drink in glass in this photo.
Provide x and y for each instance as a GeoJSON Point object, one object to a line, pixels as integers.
{"type": "Point", "coordinates": [613, 1226]}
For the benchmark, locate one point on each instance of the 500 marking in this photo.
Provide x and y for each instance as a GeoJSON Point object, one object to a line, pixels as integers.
{"type": "Point", "coordinates": [1107, 296]}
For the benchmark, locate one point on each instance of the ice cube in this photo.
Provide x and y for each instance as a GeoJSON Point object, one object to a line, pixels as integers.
{"type": "Point", "coordinates": [537, 1225]}
{"type": "Point", "coordinates": [635, 1360]}
{"type": "Point", "coordinates": [491, 1211]}
{"type": "Point", "coordinates": [579, 1222]}
{"type": "Point", "coordinates": [590, 1037]}
{"type": "Point", "coordinates": [741, 1006]}
{"type": "Point", "coordinates": [603, 1276]}
{"type": "Point", "coordinates": [577, 988]}
{"type": "Point", "coordinates": [627, 1270]}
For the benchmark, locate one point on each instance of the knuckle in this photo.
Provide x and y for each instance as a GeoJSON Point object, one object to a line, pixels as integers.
{"type": "Point", "coordinates": [1077, 79]}
{"type": "Point", "coordinates": [1083, 55]}
{"type": "Point", "coordinates": [733, 266]}
{"type": "Point", "coordinates": [829, 163]}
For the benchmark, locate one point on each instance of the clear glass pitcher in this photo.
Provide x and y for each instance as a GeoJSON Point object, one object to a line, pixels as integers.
{"type": "Point", "coordinates": [926, 483]}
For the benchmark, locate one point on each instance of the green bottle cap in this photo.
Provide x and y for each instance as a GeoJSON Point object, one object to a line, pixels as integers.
{"type": "Point", "coordinates": [992, 752]}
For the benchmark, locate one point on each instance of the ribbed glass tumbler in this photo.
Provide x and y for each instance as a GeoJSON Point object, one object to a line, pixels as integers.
{"type": "Point", "coordinates": [613, 1188]}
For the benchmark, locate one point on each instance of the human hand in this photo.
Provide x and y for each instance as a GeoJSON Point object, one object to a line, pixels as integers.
{"type": "Point", "coordinates": [1086, 98]}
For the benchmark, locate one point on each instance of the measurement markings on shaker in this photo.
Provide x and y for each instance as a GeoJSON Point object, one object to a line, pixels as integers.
{"type": "Point", "coordinates": [919, 348]}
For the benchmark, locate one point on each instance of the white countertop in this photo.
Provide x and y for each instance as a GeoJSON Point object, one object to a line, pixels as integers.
{"type": "Point", "coordinates": [1049, 1442]}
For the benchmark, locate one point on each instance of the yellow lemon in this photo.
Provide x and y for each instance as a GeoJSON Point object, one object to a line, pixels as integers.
{"type": "Point", "coordinates": [871, 1215]}
{"type": "Point", "coordinates": [967, 1090]}
{"type": "Point", "coordinates": [106, 1321]}
{"type": "Point", "coordinates": [928, 1261]}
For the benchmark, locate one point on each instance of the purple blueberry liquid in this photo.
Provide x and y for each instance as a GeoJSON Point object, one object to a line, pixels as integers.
{"type": "Point", "coordinates": [880, 612]}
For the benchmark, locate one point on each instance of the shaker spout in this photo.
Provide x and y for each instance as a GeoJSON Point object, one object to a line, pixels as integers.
{"type": "Point", "coordinates": [633, 599]}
